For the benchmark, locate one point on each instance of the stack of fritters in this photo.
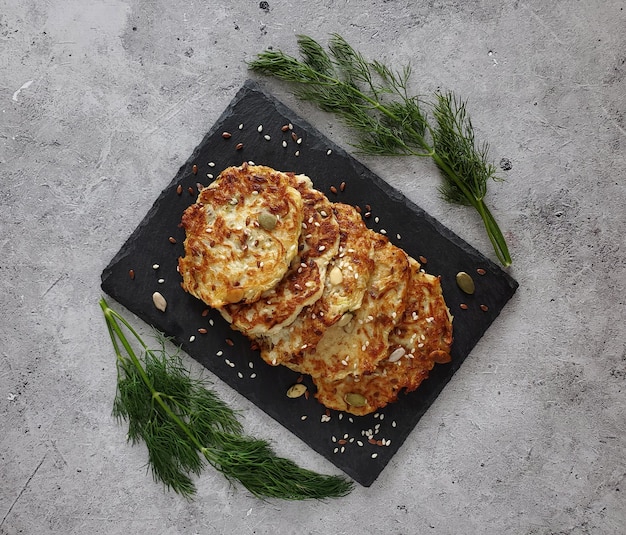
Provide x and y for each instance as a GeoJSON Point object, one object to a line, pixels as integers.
{"type": "Point", "coordinates": [314, 288]}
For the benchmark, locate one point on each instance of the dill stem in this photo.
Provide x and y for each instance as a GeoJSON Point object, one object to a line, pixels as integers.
{"type": "Point", "coordinates": [116, 333]}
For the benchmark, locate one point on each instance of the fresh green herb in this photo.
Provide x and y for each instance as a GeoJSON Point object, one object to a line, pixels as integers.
{"type": "Point", "coordinates": [185, 427]}
{"type": "Point", "coordinates": [374, 100]}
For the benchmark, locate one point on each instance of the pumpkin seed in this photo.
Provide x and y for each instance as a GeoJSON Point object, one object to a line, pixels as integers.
{"type": "Point", "coordinates": [397, 354]}
{"type": "Point", "coordinates": [159, 301]}
{"type": "Point", "coordinates": [267, 220]}
{"type": "Point", "coordinates": [465, 282]}
{"type": "Point", "coordinates": [296, 390]}
{"type": "Point", "coordinates": [355, 400]}
{"type": "Point", "coordinates": [336, 277]}
{"type": "Point", "coordinates": [344, 320]}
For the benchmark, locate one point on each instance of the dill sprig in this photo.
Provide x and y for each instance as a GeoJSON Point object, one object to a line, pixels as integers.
{"type": "Point", "coordinates": [185, 426]}
{"type": "Point", "coordinates": [374, 100]}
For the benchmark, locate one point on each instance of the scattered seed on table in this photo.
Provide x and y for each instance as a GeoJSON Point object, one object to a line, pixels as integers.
{"type": "Point", "coordinates": [155, 266]}
{"type": "Point", "coordinates": [367, 215]}
{"type": "Point", "coordinates": [374, 455]}
{"type": "Point", "coordinates": [297, 153]}
{"type": "Point", "coordinates": [285, 144]}
{"type": "Point", "coordinates": [131, 274]}
{"type": "Point", "coordinates": [329, 152]}
{"type": "Point", "coordinates": [240, 126]}
{"type": "Point", "coordinates": [484, 308]}
{"type": "Point", "coordinates": [202, 330]}
{"type": "Point", "coordinates": [219, 353]}
{"type": "Point", "coordinates": [226, 135]}
{"type": "Point", "coordinates": [192, 338]}
{"type": "Point", "coordinates": [481, 271]}
{"type": "Point", "coordinates": [252, 375]}
{"type": "Point", "coordinates": [285, 127]}
{"type": "Point", "coordinates": [303, 417]}
{"type": "Point", "coordinates": [294, 136]}
{"type": "Point", "coordinates": [342, 186]}
{"type": "Point", "coordinates": [423, 260]}
{"type": "Point", "coordinates": [179, 189]}
{"type": "Point", "coordinates": [376, 219]}
{"type": "Point", "coordinates": [209, 175]}
{"type": "Point", "coordinates": [383, 231]}
{"type": "Point", "coordinates": [211, 164]}
{"type": "Point", "coordinates": [259, 128]}
{"type": "Point", "coordinates": [240, 375]}
{"type": "Point", "coordinates": [229, 342]}
{"type": "Point", "coordinates": [161, 281]}
{"type": "Point", "coordinates": [463, 306]}
{"type": "Point", "coordinates": [266, 137]}
{"type": "Point", "coordinates": [333, 189]}
{"type": "Point", "coordinates": [194, 169]}
{"type": "Point", "coordinates": [239, 146]}
{"type": "Point", "coordinates": [190, 190]}
{"type": "Point", "coordinates": [172, 239]}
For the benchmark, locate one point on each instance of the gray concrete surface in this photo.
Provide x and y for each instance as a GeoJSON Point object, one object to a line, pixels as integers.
{"type": "Point", "coordinates": [102, 101]}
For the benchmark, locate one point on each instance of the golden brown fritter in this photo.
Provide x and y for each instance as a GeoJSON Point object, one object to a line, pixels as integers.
{"type": "Point", "coordinates": [241, 235]}
{"type": "Point", "coordinates": [303, 283]}
{"type": "Point", "coordinates": [420, 340]}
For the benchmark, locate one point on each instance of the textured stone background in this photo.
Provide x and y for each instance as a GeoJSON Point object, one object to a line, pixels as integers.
{"type": "Point", "coordinates": [102, 101]}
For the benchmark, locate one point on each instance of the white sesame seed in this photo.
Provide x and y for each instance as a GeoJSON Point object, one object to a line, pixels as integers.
{"type": "Point", "coordinates": [393, 424]}
{"type": "Point", "coordinates": [161, 281]}
{"type": "Point", "coordinates": [328, 152]}
{"type": "Point", "coordinates": [192, 338]}
{"type": "Point", "coordinates": [266, 137]}
{"type": "Point", "coordinates": [341, 416]}
{"type": "Point", "coordinates": [259, 128]}
{"type": "Point", "coordinates": [211, 164]}
{"type": "Point", "coordinates": [382, 416]}
{"type": "Point", "coordinates": [209, 175]}
{"type": "Point", "coordinates": [303, 417]}
{"type": "Point", "coordinates": [376, 415]}
{"type": "Point", "coordinates": [219, 353]}
{"type": "Point", "coordinates": [290, 126]}
{"type": "Point", "coordinates": [297, 153]}
{"type": "Point", "coordinates": [240, 375]}
{"type": "Point", "coordinates": [374, 455]}
{"type": "Point", "coordinates": [398, 236]}
{"type": "Point", "coordinates": [250, 365]}
{"type": "Point", "coordinates": [252, 375]}
{"type": "Point", "coordinates": [227, 361]}
{"type": "Point", "coordinates": [299, 141]}
{"type": "Point", "coordinates": [359, 443]}
{"type": "Point", "coordinates": [155, 266]}
{"type": "Point", "coordinates": [383, 231]}
{"type": "Point", "coordinates": [343, 448]}
{"type": "Point", "coordinates": [345, 436]}
{"type": "Point", "coordinates": [376, 219]}
{"type": "Point", "coordinates": [335, 450]}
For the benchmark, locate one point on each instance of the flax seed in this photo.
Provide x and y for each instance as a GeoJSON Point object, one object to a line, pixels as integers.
{"type": "Point", "coordinates": [194, 169]}
{"type": "Point", "coordinates": [131, 274]}
{"type": "Point", "coordinates": [172, 239]}
{"type": "Point", "coordinates": [226, 135]}
{"type": "Point", "coordinates": [229, 342]}
{"type": "Point", "coordinates": [239, 146]}
{"type": "Point", "coordinates": [202, 330]}
{"type": "Point", "coordinates": [179, 189]}
{"type": "Point", "coordinates": [333, 189]}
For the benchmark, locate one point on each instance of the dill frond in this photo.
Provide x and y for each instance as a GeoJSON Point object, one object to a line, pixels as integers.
{"type": "Point", "coordinates": [185, 426]}
{"type": "Point", "coordinates": [373, 100]}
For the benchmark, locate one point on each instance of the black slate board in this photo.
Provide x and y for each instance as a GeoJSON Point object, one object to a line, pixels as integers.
{"type": "Point", "coordinates": [240, 366]}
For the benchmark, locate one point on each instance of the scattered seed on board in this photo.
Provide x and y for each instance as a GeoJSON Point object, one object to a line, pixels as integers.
{"type": "Point", "coordinates": [172, 239]}
{"type": "Point", "coordinates": [229, 342]}
{"type": "Point", "coordinates": [259, 128]}
{"type": "Point", "coordinates": [481, 271]}
{"type": "Point", "coordinates": [226, 135]}
{"type": "Point", "coordinates": [333, 189]}
{"type": "Point", "coordinates": [484, 308]}
{"type": "Point", "coordinates": [241, 126]}
{"type": "Point", "coordinates": [161, 281]}
{"type": "Point", "coordinates": [192, 338]}
{"type": "Point", "coordinates": [202, 330]}
{"type": "Point", "coordinates": [342, 186]}
{"type": "Point", "coordinates": [179, 189]}
{"type": "Point", "coordinates": [285, 127]}
{"type": "Point", "coordinates": [463, 306]}
{"type": "Point", "coordinates": [159, 301]}
{"type": "Point", "coordinates": [329, 152]}
{"type": "Point", "coordinates": [131, 274]}
{"type": "Point", "coordinates": [211, 164]}
{"type": "Point", "coordinates": [239, 146]}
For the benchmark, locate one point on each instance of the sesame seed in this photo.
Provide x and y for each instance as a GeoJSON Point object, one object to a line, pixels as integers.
{"type": "Point", "coordinates": [266, 137]}
{"type": "Point", "coordinates": [155, 266]}
{"type": "Point", "coordinates": [211, 322]}
{"type": "Point", "coordinates": [161, 281]}
{"type": "Point", "coordinates": [285, 144]}
{"type": "Point", "coordinates": [297, 153]}
{"type": "Point", "coordinates": [335, 450]}
{"type": "Point", "coordinates": [241, 126]}
{"type": "Point", "coordinates": [303, 417]}
{"type": "Point", "coordinates": [192, 338]}
{"type": "Point", "coordinates": [252, 375]}
{"type": "Point", "coordinates": [374, 455]}
{"type": "Point", "coordinates": [328, 152]}
{"type": "Point", "coordinates": [259, 128]}
{"type": "Point", "coordinates": [376, 219]}
{"type": "Point", "coordinates": [219, 353]}
{"type": "Point", "coordinates": [251, 364]}
{"type": "Point", "coordinates": [393, 424]}
{"type": "Point", "coordinates": [209, 175]}
{"type": "Point", "coordinates": [359, 443]}
{"type": "Point", "coordinates": [240, 375]}
{"type": "Point", "coordinates": [398, 237]}
{"type": "Point", "coordinates": [211, 164]}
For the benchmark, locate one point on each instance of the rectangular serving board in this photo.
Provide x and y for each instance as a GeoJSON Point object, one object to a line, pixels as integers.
{"type": "Point", "coordinates": [158, 240]}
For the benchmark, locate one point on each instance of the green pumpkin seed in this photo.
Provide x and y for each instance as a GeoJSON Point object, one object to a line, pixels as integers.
{"type": "Point", "coordinates": [355, 400]}
{"type": "Point", "coordinates": [267, 220]}
{"type": "Point", "coordinates": [465, 282]}
{"type": "Point", "coordinates": [296, 390]}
